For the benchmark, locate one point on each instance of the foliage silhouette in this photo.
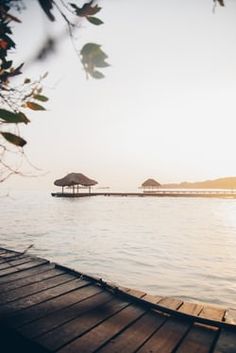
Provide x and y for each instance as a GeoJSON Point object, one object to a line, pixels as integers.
{"type": "Point", "coordinates": [16, 100]}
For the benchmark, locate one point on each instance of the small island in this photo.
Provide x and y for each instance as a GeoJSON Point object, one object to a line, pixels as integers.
{"type": "Point", "coordinates": [220, 183]}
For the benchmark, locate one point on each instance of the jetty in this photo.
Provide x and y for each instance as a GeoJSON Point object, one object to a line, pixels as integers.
{"type": "Point", "coordinates": [46, 307]}
{"type": "Point", "coordinates": [226, 194]}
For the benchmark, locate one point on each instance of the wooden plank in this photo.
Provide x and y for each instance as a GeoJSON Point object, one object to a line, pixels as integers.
{"type": "Point", "coordinates": [2, 253]}
{"type": "Point", "coordinates": [46, 283]}
{"type": "Point", "coordinates": [171, 303]}
{"type": "Point", "coordinates": [12, 342]}
{"type": "Point", "coordinates": [123, 289]}
{"type": "Point", "coordinates": [213, 313]}
{"type": "Point", "coordinates": [14, 277]}
{"type": "Point", "coordinates": [135, 292]}
{"type": "Point", "coordinates": [48, 307]}
{"type": "Point", "coordinates": [6, 250]}
{"type": "Point", "coordinates": [226, 342]}
{"type": "Point", "coordinates": [9, 254]}
{"type": "Point", "coordinates": [154, 299]}
{"type": "Point", "coordinates": [34, 278]}
{"type": "Point", "coordinates": [190, 308]}
{"type": "Point", "coordinates": [87, 301]}
{"type": "Point", "coordinates": [230, 316]}
{"type": "Point", "coordinates": [199, 339]}
{"type": "Point", "coordinates": [59, 337]}
{"type": "Point", "coordinates": [33, 299]}
{"type": "Point", "coordinates": [22, 267]}
{"type": "Point", "coordinates": [12, 257]}
{"type": "Point", "coordinates": [15, 262]}
{"type": "Point", "coordinates": [135, 335]}
{"type": "Point", "coordinates": [97, 336]}
{"type": "Point", "coordinates": [166, 339]}
{"type": "Point", "coordinates": [63, 312]}
{"type": "Point", "coordinates": [3, 249]}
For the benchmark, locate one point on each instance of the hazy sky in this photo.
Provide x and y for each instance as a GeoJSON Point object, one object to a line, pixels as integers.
{"type": "Point", "coordinates": [166, 108]}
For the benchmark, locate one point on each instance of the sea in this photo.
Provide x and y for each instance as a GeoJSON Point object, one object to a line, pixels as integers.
{"type": "Point", "coordinates": [180, 247]}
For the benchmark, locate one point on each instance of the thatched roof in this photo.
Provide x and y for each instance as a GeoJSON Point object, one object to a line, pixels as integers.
{"type": "Point", "coordinates": [150, 183]}
{"type": "Point", "coordinates": [75, 179]}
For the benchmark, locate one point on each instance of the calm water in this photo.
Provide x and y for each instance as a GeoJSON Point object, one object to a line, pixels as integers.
{"type": "Point", "coordinates": [166, 246]}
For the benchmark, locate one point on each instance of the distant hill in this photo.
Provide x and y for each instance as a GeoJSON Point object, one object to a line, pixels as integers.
{"type": "Point", "coordinates": [221, 183]}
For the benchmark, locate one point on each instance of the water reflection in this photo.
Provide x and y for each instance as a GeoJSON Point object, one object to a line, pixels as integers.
{"type": "Point", "coordinates": [179, 247]}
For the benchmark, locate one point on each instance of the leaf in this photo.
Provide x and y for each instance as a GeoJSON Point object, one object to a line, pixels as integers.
{"type": "Point", "coordinates": [15, 72]}
{"type": "Point", "coordinates": [45, 75]}
{"type": "Point", "coordinates": [23, 118]}
{"type": "Point", "coordinates": [13, 118]}
{"type": "Point", "coordinates": [8, 16]}
{"type": "Point", "coordinates": [97, 74]}
{"type": "Point", "coordinates": [14, 139]}
{"type": "Point", "coordinates": [48, 47]}
{"type": "Point", "coordinates": [3, 44]}
{"type": "Point", "coordinates": [40, 97]}
{"type": "Point", "coordinates": [101, 63]}
{"type": "Point", "coordinates": [6, 65]}
{"type": "Point", "coordinates": [94, 20]}
{"type": "Point", "coordinates": [47, 6]}
{"type": "Point", "coordinates": [86, 10]}
{"type": "Point", "coordinates": [92, 56]}
{"type": "Point", "coordinates": [89, 48]}
{"type": "Point", "coordinates": [94, 51]}
{"type": "Point", "coordinates": [34, 106]}
{"type": "Point", "coordinates": [221, 2]}
{"type": "Point", "coordinates": [27, 80]}
{"type": "Point", "coordinates": [10, 42]}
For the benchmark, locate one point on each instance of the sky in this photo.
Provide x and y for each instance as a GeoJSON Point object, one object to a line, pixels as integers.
{"type": "Point", "coordinates": [165, 110]}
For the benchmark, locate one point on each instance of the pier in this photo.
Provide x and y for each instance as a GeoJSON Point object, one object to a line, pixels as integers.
{"type": "Point", "coordinates": [160, 193]}
{"type": "Point", "coordinates": [45, 307]}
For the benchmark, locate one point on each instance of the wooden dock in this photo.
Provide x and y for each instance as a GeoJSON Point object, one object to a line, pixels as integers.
{"type": "Point", "coordinates": [160, 193]}
{"type": "Point", "coordinates": [45, 307]}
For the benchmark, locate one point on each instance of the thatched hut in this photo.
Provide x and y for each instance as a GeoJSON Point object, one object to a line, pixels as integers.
{"type": "Point", "coordinates": [150, 185]}
{"type": "Point", "coordinates": [74, 181]}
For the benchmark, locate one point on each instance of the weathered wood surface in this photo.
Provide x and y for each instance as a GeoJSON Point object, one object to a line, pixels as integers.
{"type": "Point", "coordinates": [45, 307]}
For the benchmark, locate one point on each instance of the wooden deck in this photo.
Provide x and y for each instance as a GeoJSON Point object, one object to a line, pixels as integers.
{"type": "Point", "coordinates": [45, 307]}
{"type": "Point", "coordinates": [160, 193]}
